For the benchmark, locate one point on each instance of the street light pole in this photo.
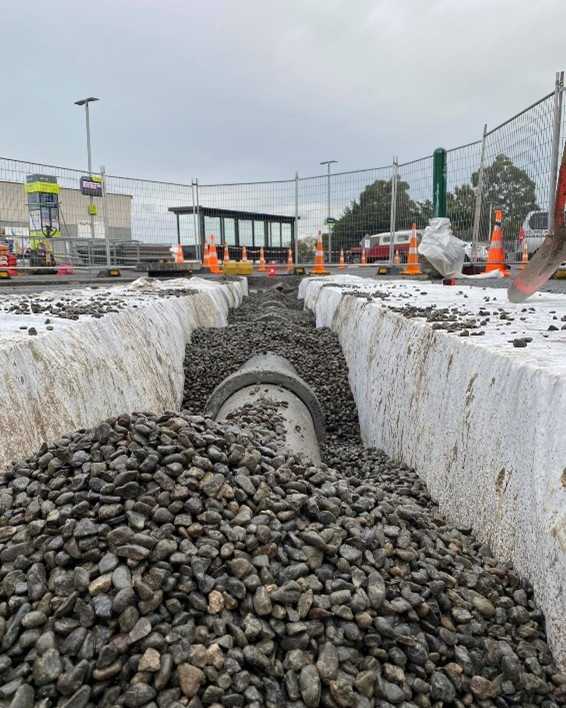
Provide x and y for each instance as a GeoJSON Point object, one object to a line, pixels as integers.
{"type": "Point", "coordinates": [84, 102]}
{"type": "Point", "coordinates": [329, 215]}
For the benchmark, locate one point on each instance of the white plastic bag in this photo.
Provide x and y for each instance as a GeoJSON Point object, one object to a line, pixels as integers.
{"type": "Point", "coordinates": [442, 249]}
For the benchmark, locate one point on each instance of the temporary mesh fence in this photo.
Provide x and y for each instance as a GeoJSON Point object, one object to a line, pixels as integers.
{"type": "Point", "coordinates": [511, 169]}
{"type": "Point", "coordinates": [517, 173]}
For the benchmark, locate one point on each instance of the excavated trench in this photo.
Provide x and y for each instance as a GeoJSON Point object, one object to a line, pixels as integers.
{"type": "Point", "coordinates": [174, 560]}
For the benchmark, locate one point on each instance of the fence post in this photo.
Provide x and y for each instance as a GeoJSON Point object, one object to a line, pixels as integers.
{"type": "Point", "coordinates": [557, 124]}
{"type": "Point", "coordinates": [200, 240]}
{"type": "Point", "coordinates": [296, 218]}
{"type": "Point", "coordinates": [439, 182]}
{"type": "Point", "coordinates": [195, 221]}
{"type": "Point", "coordinates": [393, 211]}
{"type": "Point", "coordinates": [105, 217]}
{"type": "Point", "coordinates": [479, 198]}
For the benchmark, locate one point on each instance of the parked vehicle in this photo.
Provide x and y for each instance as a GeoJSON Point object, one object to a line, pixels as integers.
{"type": "Point", "coordinates": [534, 229]}
{"type": "Point", "coordinates": [377, 245]}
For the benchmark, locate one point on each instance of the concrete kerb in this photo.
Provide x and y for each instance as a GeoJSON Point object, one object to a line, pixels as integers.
{"type": "Point", "coordinates": [125, 361]}
{"type": "Point", "coordinates": [268, 368]}
{"type": "Point", "coordinates": [443, 419]}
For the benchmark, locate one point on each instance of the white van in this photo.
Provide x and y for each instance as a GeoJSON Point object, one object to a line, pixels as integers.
{"type": "Point", "coordinates": [534, 230]}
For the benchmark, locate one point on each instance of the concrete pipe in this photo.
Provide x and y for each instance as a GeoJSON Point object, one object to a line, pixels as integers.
{"type": "Point", "coordinates": [273, 377]}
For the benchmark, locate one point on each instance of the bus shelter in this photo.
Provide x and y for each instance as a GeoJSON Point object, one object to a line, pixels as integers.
{"type": "Point", "coordinates": [274, 232]}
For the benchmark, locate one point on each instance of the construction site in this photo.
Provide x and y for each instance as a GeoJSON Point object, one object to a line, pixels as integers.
{"type": "Point", "coordinates": [285, 442]}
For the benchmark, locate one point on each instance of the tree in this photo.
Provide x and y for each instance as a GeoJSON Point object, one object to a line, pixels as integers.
{"type": "Point", "coordinates": [371, 213]}
{"type": "Point", "coordinates": [460, 206]}
{"type": "Point", "coordinates": [507, 187]}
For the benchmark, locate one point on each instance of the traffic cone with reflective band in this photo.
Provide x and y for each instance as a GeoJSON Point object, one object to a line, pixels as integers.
{"type": "Point", "coordinates": [244, 255]}
{"type": "Point", "coordinates": [213, 258]}
{"type": "Point", "coordinates": [290, 265]}
{"type": "Point", "coordinates": [319, 259]}
{"type": "Point", "coordinates": [496, 253]}
{"type": "Point", "coordinates": [413, 265]}
{"type": "Point", "coordinates": [262, 268]}
{"type": "Point", "coordinates": [396, 258]}
{"type": "Point", "coordinates": [226, 258]}
{"type": "Point", "coordinates": [363, 260]}
{"type": "Point", "coordinates": [524, 255]}
{"type": "Point", "coordinates": [341, 262]}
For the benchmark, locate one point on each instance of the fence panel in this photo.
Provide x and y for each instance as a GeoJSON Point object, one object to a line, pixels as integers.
{"type": "Point", "coordinates": [344, 207]}
{"type": "Point", "coordinates": [359, 207]}
{"type": "Point", "coordinates": [414, 200]}
{"type": "Point", "coordinates": [462, 168]}
{"type": "Point", "coordinates": [517, 169]}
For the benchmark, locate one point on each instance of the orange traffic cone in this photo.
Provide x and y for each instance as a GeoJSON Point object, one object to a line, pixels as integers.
{"type": "Point", "coordinates": [213, 258]}
{"type": "Point", "coordinates": [319, 258]}
{"type": "Point", "coordinates": [363, 260]}
{"type": "Point", "coordinates": [244, 255]}
{"type": "Point", "coordinates": [396, 258]}
{"type": "Point", "coordinates": [524, 255]}
{"type": "Point", "coordinates": [413, 265]}
{"type": "Point", "coordinates": [262, 268]}
{"type": "Point", "coordinates": [496, 253]}
{"type": "Point", "coordinates": [226, 258]}
{"type": "Point", "coordinates": [179, 258]}
{"type": "Point", "coordinates": [341, 262]}
{"type": "Point", "coordinates": [290, 266]}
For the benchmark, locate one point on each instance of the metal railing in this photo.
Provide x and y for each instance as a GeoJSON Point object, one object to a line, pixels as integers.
{"type": "Point", "coordinates": [512, 167]}
{"type": "Point", "coordinates": [31, 253]}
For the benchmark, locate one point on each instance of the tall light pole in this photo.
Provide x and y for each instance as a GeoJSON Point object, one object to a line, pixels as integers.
{"type": "Point", "coordinates": [84, 102]}
{"type": "Point", "coordinates": [328, 163]}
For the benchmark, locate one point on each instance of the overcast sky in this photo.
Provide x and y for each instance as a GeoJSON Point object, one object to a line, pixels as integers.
{"type": "Point", "coordinates": [252, 89]}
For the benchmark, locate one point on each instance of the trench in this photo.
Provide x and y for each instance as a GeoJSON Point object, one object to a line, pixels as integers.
{"type": "Point", "coordinates": [167, 559]}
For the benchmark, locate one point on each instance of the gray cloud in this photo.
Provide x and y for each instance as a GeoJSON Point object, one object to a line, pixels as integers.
{"type": "Point", "coordinates": [232, 90]}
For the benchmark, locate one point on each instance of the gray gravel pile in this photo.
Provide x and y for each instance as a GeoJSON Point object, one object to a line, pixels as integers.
{"type": "Point", "coordinates": [69, 307]}
{"type": "Point", "coordinates": [168, 561]}
{"type": "Point", "coordinates": [316, 354]}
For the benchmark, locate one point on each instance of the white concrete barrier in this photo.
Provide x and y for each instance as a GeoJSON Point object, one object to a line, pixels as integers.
{"type": "Point", "coordinates": [90, 369]}
{"type": "Point", "coordinates": [481, 421]}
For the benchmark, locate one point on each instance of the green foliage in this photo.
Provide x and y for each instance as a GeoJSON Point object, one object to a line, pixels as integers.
{"type": "Point", "coordinates": [371, 212]}
{"type": "Point", "coordinates": [460, 206]}
{"type": "Point", "coordinates": [506, 186]}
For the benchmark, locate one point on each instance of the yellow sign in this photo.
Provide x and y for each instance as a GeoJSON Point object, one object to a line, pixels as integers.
{"type": "Point", "coordinates": [92, 209]}
{"type": "Point", "coordinates": [45, 187]}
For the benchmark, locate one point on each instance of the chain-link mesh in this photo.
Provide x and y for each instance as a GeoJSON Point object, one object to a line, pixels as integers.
{"type": "Point", "coordinates": [516, 176]}
{"type": "Point", "coordinates": [349, 209]}
{"type": "Point", "coordinates": [462, 164]}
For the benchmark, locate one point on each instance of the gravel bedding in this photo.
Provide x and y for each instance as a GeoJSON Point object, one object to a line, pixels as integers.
{"type": "Point", "coordinates": [316, 354]}
{"type": "Point", "coordinates": [171, 561]}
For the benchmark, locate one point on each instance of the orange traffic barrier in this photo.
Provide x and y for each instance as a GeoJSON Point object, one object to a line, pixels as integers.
{"type": "Point", "coordinates": [413, 265]}
{"type": "Point", "coordinates": [319, 259]}
{"type": "Point", "coordinates": [290, 266]}
{"type": "Point", "coordinates": [244, 254]}
{"type": "Point", "coordinates": [213, 258]}
{"type": "Point", "coordinates": [262, 268]}
{"type": "Point", "coordinates": [496, 253]}
{"type": "Point", "coordinates": [341, 261]}
{"type": "Point", "coordinates": [226, 258]}
{"type": "Point", "coordinates": [524, 255]}
{"type": "Point", "coordinates": [363, 260]}
{"type": "Point", "coordinates": [396, 258]}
